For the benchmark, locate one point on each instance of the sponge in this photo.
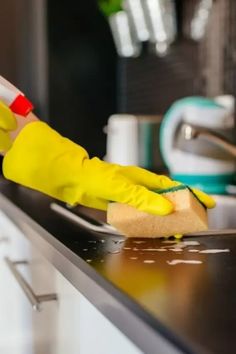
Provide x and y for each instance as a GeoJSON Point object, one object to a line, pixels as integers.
{"type": "Point", "coordinates": [190, 215]}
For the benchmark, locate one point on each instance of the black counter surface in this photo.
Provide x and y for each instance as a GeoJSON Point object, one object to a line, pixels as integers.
{"type": "Point", "coordinates": [192, 306]}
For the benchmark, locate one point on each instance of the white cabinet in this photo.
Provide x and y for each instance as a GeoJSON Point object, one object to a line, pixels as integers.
{"type": "Point", "coordinates": [71, 324]}
{"type": "Point", "coordinates": [22, 329]}
{"type": "Point", "coordinates": [82, 329]}
{"type": "Point", "coordinates": [15, 314]}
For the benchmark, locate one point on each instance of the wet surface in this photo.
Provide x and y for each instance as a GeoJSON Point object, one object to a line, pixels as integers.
{"type": "Point", "coordinates": [188, 285]}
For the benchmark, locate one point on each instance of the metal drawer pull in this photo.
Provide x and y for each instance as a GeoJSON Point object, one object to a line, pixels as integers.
{"type": "Point", "coordinates": [34, 299]}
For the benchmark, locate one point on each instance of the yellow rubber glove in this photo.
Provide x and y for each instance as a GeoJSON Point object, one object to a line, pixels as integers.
{"type": "Point", "coordinates": [7, 123]}
{"type": "Point", "coordinates": [42, 159]}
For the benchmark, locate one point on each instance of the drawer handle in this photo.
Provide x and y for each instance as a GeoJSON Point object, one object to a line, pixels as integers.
{"type": "Point", "coordinates": [34, 299]}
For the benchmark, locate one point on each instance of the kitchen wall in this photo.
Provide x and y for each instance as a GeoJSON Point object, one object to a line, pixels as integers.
{"type": "Point", "coordinates": [62, 55]}
{"type": "Point", "coordinates": [82, 72]}
{"type": "Point", "coordinates": [23, 58]}
{"type": "Point", "coordinates": [149, 84]}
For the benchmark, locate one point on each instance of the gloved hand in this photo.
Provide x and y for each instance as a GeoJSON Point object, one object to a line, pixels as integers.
{"type": "Point", "coordinates": [42, 159]}
{"type": "Point", "coordinates": [7, 124]}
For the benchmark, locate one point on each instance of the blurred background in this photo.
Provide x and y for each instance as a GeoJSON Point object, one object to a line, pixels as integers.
{"type": "Point", "coordinates": [81, 61]}
{"type": "Point", "coordinates": [142, 82]}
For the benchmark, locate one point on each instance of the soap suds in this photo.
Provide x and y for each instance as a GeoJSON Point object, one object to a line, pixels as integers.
{"type": "Point", "coordinates": [191, 243]}
{"type": "Point", "coordinates": [152, 249]}
{"type": "Point", "coordinates": [115, 251]}
{"type": "Point", "coordinates": [215, 251]}
{"type": "Point", "coordinates": [180, 261]}
{"type": "Point", "coordinates": [175, 249]}
{"type": "Point", "coordinates": [182, 244]}
{"type": "Point", "coordinates": [118, 241]}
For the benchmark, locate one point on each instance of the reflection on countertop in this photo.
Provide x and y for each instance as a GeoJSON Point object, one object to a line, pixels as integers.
{"type": "Point", "coordinates": [194, 299]}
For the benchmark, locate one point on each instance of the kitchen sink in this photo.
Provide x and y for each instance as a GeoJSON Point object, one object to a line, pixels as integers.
{"type": "Point", "coordinates": [222, 219]}
{"type": "Point", "coordinates": [223, 216]}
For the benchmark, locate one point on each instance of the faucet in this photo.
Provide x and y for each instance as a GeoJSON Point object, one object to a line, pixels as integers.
{"type": "Point", "coordinates": [191, 132]}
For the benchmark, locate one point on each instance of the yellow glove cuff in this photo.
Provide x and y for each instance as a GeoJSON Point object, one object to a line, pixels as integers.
{"type": "Point", "coordinates": [42, 159]}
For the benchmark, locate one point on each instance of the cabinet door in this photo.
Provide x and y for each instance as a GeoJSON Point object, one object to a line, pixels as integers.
{"type": "Point", "coordinates": [82, 329]}
{"type": "Point", "coordinates": [43, 281]}
{"type": "Point", "coordinates": [15, 314]}
{"type": "Point", "coordinates": [22, 329]}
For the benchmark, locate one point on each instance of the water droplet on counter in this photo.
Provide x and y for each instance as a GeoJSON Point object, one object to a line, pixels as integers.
{"type": "Point", "coordinates": [149, 261]}
{"type": "Point", "coordinates": [215, 251]}
{"type": "Point", "coordinates": [178, 236]}
{"type": "Point", "coordinates": [180, 261]}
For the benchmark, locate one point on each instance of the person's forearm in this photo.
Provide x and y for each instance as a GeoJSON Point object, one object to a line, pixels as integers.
{"type": "Point", "coordinates": [38, 157]}
{"type": "Point", "coordinates": [21, 123]}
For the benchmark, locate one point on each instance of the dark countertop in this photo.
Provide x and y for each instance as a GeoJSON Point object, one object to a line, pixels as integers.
{"type": "Point", "coordinates": [186, 308]}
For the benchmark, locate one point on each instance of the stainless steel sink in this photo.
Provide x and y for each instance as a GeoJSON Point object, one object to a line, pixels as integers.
{"type": "Point", "coordinates": [222, 219]}
{"type": "Point", "coordinates": [223, 216]}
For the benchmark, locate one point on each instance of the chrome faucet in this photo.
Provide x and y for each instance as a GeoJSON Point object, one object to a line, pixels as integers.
{"type": "Point", "coordinates": [191, 132]}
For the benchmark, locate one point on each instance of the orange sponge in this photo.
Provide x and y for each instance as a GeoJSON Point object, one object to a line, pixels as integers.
{"type": "Point", "coordinates": [189, 216]}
